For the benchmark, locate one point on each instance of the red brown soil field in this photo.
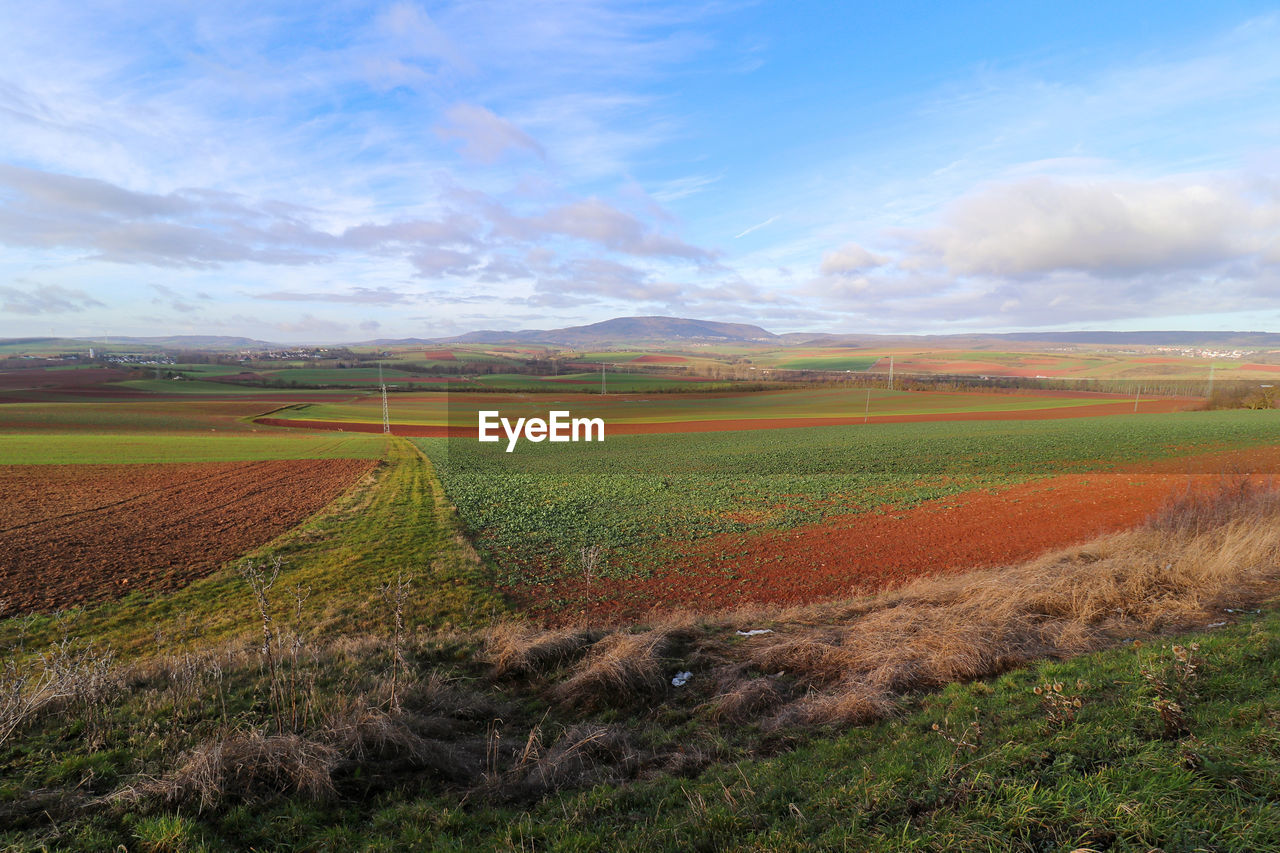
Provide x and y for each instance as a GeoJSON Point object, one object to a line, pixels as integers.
{"type": "Point", "coordinates": [429, 431]}
{"type": "Point", "coordinates": [36, 384]}
{"type": "Point", "coordinates": [75, 534]}
{"type": "Point", "coordinates": [1268, 367]}
{"type": "Point", "coordinates": [867, 552]}
{"type": "Point", "coordinates": [42, 378]}
{"type": "Point", "coordinates": [660, 359]}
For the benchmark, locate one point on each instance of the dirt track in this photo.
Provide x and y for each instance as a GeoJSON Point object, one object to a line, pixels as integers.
{"type": "Point", "coordinates": [74, 534]}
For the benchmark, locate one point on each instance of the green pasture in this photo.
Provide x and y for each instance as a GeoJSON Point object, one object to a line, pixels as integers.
{"type": "Point", "coordinates": [641, 497]}
{"type": "Point", "coordinates": [201, 387]}
{"type": "Point", "coordinates": [349, 375]}
{"type": "Point", "coordinates": [621, 356]}
{"type": "Point", "coordinates": [852, 362]}
{"type": "Point", "coordinates": [207, 369]}
{"type": "Point", "coordinates": [88, 448]}
{"type": "Point", "coordinates": [585, 382]}
{"type": "Point", "coordinates": [419, 356]}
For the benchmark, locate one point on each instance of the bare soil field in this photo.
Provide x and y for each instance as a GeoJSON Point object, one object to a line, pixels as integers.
{"type": "Point", "coordinates": [35, 384]}
{"type": "Point", "coordinates": [76, 534]}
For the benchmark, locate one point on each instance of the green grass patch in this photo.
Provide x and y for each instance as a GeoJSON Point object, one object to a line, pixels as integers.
{"type": "Point", "coordinates": [351, 376]}
{"type": "Point", "coordinates": [200, 387]}
{"type": "Point", "coordinates": [989, 765]}
{"type": "Point", "coordinates": [87, 448]}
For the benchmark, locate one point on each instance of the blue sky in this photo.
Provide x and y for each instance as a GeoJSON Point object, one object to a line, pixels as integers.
{"type": "Point", "coordinates": [346, 171]}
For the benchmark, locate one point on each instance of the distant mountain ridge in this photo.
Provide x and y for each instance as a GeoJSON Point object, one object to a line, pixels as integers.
{"type": "Point", "coordinates": [645, 330]}
{"type": "Point", "coordinates": [625, 329]}
{"type": "Point", "coordinates": [982, 340]}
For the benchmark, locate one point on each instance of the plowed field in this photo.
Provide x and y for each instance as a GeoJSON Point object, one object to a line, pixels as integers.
{"type": "Point", "coordinates": [74, 534]}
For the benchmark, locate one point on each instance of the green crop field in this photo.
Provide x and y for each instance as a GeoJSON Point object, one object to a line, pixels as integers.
{"type": "Point", "coordinates": [622, 356]}
{"type": "Point", "coordinates": [531, 510]}
{"type": "Point", "coordinates": [459, 407]}
{"type": "Point", "coordinates": [207, 388]}
{"type": "Point", "coordinates": [351, 375]}
{"type": "Point", "coordinates": [588, 382]}
{"type": "Point", "coordinates": [207, 369]}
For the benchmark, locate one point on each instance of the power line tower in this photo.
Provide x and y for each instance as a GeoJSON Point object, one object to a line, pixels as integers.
{"type": "Point", "coordinates": [386, 414]}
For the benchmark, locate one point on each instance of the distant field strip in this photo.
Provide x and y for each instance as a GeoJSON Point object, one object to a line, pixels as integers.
{"type": "Point", "coordinates": [728, 411]}
{"type": "Point", "coordinates": [82, 448]}
{"type": "Point", "coordinates": [850, 362]}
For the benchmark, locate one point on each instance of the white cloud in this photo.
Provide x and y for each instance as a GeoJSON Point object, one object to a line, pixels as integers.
{"type": "Point", "coordinates": [851, 259]}
{"type": "Point", "coordinates": [1105, 227]}
{"type": "Point", "coordinates": [483, 136]}
{"type": "Point", "coordinates": [46, 299]}
{"type": "Point", "coordinates": [1045, 250]}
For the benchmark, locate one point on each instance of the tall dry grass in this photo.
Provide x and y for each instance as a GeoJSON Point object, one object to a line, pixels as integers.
{"type": "Point", "coordinates": [846, 661]}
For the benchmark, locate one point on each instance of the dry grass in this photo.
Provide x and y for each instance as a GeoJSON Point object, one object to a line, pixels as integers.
{"type": "Point", "coordinates": [583, 755]}
{"type": "Point", "coordinates": [520, 649]}
{"type": "Point", "coordinates": [746, 699]}
{"type": "Point", "coordinates": [1204, 552]}
{"type": "Point", "coordinates": [619, 670]}
{"type": "Point", "coordinates": [246, 767]}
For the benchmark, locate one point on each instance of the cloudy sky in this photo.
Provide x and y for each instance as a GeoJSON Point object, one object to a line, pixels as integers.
{"type": "Point", "coordinates": [345, 171]}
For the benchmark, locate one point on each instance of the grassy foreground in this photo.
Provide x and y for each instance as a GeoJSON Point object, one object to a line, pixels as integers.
{"type": "Point", "coordinates": [924, 719]}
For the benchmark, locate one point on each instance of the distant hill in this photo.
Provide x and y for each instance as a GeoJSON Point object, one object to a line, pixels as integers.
{"type": "Point", "coordinates": [674, 330]}
{"type": "Point", "coordinates": [396, 342]}
{"type": "Point", "coordinates": [625, 329]}
{"type": "Point", "coordinates": [994, 340]}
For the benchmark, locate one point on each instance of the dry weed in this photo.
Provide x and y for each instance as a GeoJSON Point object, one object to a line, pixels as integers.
{"type": "Point", "coordinates": [249, 766]}
{"type": "Point", "coordinates": [618, 670]}
{"type": "Point", "coordinates": [516, 649]}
